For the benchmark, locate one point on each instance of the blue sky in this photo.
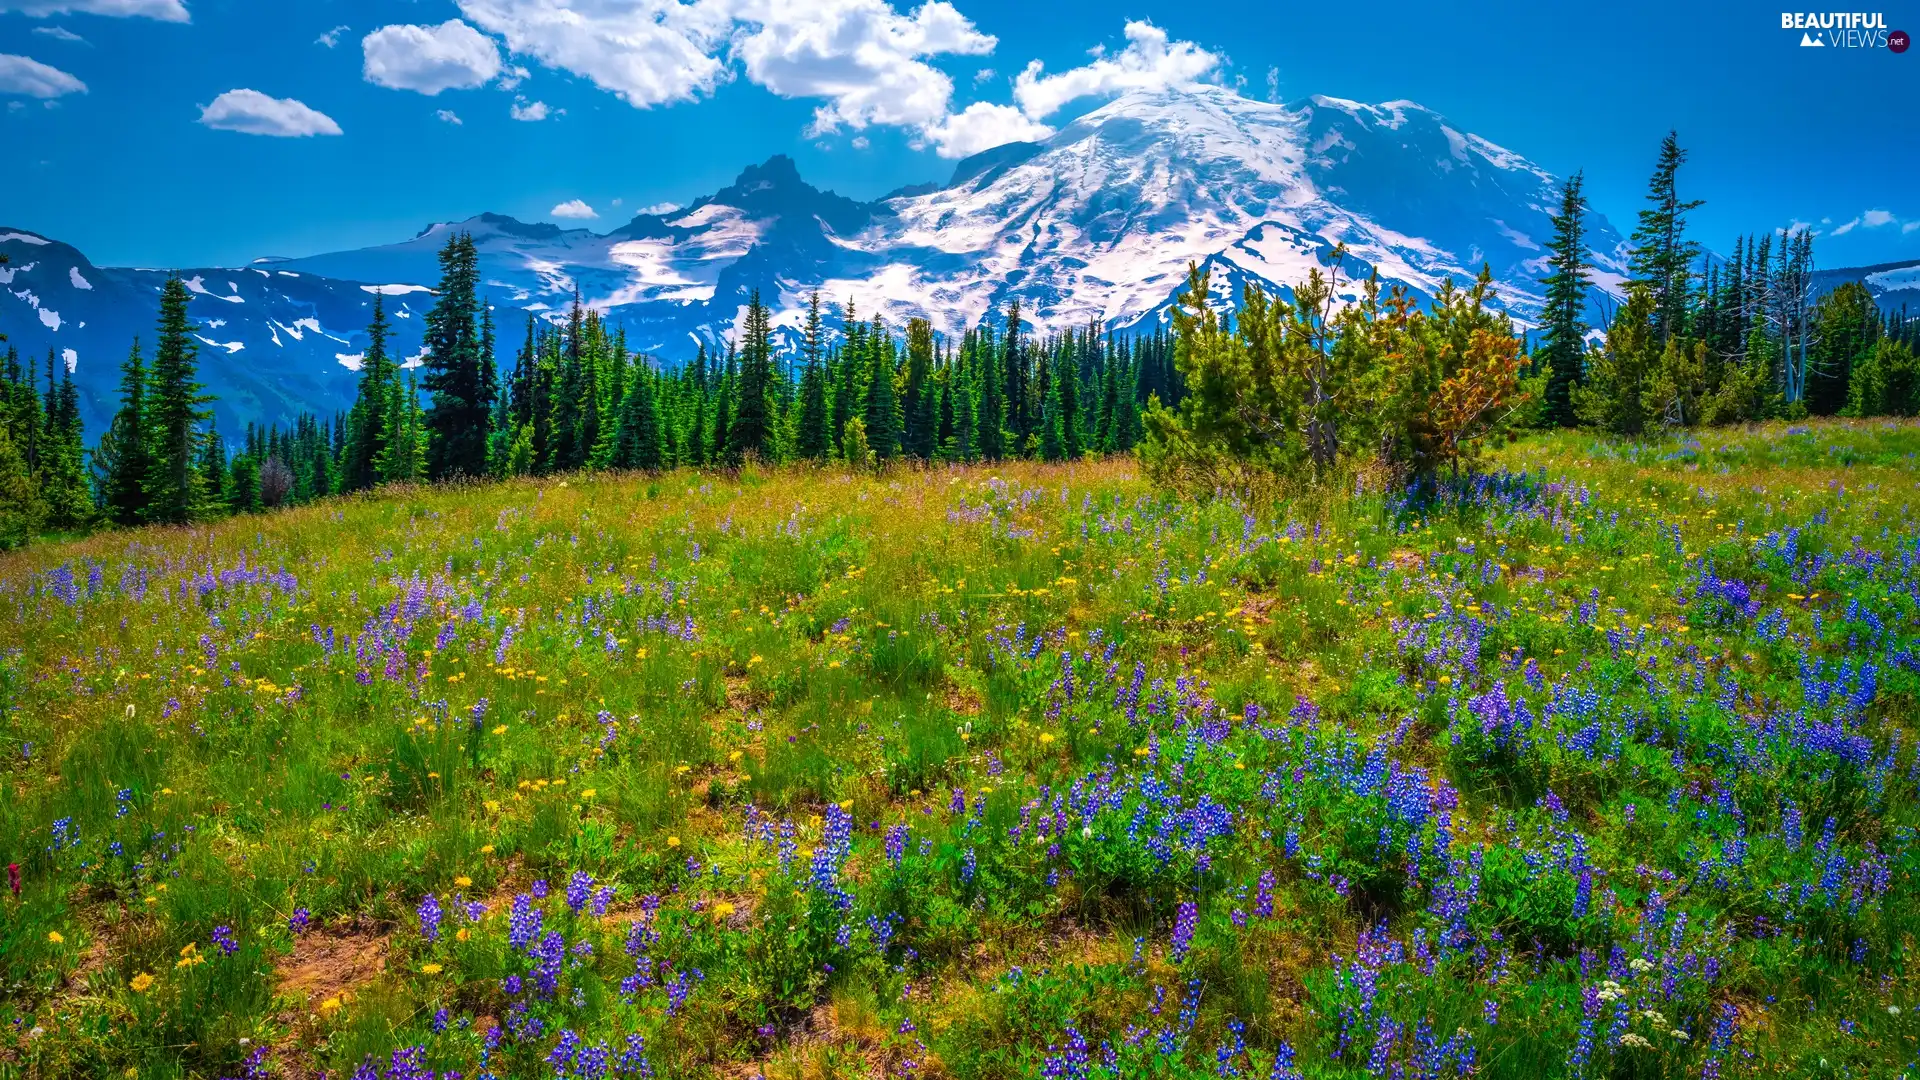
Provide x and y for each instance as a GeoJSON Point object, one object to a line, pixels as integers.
{"type": "Point", "coordinates": [206, 132]}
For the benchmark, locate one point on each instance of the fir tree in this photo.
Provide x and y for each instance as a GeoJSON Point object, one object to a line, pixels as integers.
{"type": "Point", "coordinates": [1566, 331]}
{"type": "Point", "coordinates": [457, 373]}
{"type": "Point", "coordinates": [175, 488]}
{"type": "Point", "coordinates": [749, 427]}
{"type": "Point", "coordinates": [1663, 257]}
{"type": "Point", "coordinates": [369, 435]}
{"type": "Point", "coordinates": [881, 419]}
{"type": "Point", "coordinates": [921, 412]}
{"type": "Point", "coordinates": [812, 440]}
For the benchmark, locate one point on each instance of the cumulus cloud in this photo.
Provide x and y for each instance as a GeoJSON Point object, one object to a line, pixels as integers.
{"type": "Point", "coordinates": [24, 75]}
{"type": "Point", "coordinates": [332, 37]}
{"type": "Point", "coordinates": [429, 59]}
{"type": "Point", "coordinates": [648, 52]}
{"type": "Point", "coordinates": [449, 116]}
{"type": "Point", "coordinates": [982, 126]}
{"type": "Point", "coordinates": [164, 10]}
{"type": "Point", "coordinates": [1873, 219]}
{"type": "Point", "coordinates": [531, 111]}
{"type": "Point", "coordinates": [658, 208]}
{"type": "Point", "coordinates": [1149, 62]}
{"type": "Point", "coordinates": [573, 209]}
{"type": "Point", "coordinates": [865, 59]}
{"type": "Point", "coordinates": [59, 33]}
{"type": "Point", "coordinates": [251, 112]}
{"type": "Point", "coordinates": [1909, 226]}
{"type": "Point", "coordinates": [866, 62]}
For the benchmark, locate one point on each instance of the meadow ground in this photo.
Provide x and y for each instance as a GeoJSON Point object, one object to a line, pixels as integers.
{"type": "Point", "coordinates": [1599, 766]}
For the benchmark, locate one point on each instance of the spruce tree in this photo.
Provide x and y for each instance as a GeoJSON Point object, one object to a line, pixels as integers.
{"type": "Point", "coordinates": [174, 413]}
{"type": "Point", "coordinates": [369, 435]}
{"type": "Point", "coordinates": [882, 411]}
{"type": "Point", "coordinates": [922, 400]}
{"type": "Point", "coordinates": [749, 429]}
{"type": "Point", "coordinates": [457, 373]}
{"type": "Point", "coordinates": [1565, 328]}
{"type": "Point", "coordinates": [1663, 257]}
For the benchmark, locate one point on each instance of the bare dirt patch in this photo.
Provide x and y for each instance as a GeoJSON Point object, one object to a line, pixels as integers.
{"type": "Point", "coordinates": [325, 964]}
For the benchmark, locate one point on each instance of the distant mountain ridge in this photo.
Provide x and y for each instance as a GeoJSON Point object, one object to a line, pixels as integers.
{"type": "Point", "coordinates": [1097, 223]}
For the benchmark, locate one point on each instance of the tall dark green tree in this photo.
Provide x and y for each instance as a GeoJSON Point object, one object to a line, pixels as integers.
{"type": "Point", "coordinates": [750, 428]}
{"type": "Point", "coordinates": [175, 410]}
{"type": "Point", "coordinates": [1564, 346]}
{"type": "Point", "coordinates": [882, 415]}
{"type": "Point", "coordinates": [1663, 257]}
{"type": "Point", "coordinates": [457, 374]}
{"type": "Point", "coordinates": [812, 439]}
{"type": "Point", "coordinates": [368, 435]}
{"type": "Point", "coordinates": [922, 434]}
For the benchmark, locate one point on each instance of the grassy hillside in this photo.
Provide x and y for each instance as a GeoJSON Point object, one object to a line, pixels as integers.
{"type": "Point", "coordinates": [1602, 767]}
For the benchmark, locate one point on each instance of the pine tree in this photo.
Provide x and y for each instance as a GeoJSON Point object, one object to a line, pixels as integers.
{"type": "Point", "coordinates": [1663, 257]}
{"type": "Point", "coordinates": [369, 435]}
{"type": "Point", "coordinates": [457, 373]}
{"type": "Point", "coordinates": [921, 412]}
{"type": "Point", "coordinates": [881, 418]}
{"type": "Point", "coordinates": [749, 429]}
{"type": "Point", "coordinates": [21, 511]}
{"type": "Point", "coordinates": [1565, 341]}
{"type": "Point", "coordinates": [175, 488]}
{"type": "Point", "coordinates": [812, 440]}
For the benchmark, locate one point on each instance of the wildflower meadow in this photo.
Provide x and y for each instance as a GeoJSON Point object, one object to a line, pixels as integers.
{"type": "Point", "coordinates": [1597, 761]}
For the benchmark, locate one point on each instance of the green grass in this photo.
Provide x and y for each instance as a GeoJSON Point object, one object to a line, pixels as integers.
{"type": "Point", "coordinates": [1384, 786]}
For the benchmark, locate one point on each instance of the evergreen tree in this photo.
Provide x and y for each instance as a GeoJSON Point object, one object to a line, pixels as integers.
{"type": "Point", "coordinates": [812, 439]}
{"type": "Point", "coordinates": [749, 428]}
{"type": "Point", "coordinates": [882, 417]}
{"type": "Point", "coordinates": [174, 412]}
{"type": "Point", "coordinates": [921, 412]}
{"type": "Point", "coordinates": [457, 374]}
{"type": "Point", "coordinates": [367, 440]}
{"type": "Point", "coordinates": [1663, 257]}
{"type": "Point", "coordinates": [1565, 342]}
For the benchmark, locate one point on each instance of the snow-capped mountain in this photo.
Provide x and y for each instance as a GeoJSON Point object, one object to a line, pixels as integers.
{"type": "Point", "coordinates": [1097, 223]}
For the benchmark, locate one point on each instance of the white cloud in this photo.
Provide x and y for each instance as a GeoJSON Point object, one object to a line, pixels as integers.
{"type": "Point", "coordinates": [866, 62]}
{"type": "Point", "coordinates": [429, 59]}
{"type": "Point", "coordinates": [1873, 219]}
{"type": "Point", "coordinates": [659, 208]}
{"type": "Point", "coordinates": [164, 10]}
{"type": "Point", "coordinates": [617, 202]}
{"type": "Point", "coordinates": [254, 113]}
{"type": "Point", "coordinates": [861, 142]}
{"type": "Point", "coordinates": [982, 126]}
{"type": "Point", "coordinates": [1149, 62]}
{"type": "Point", "coordinates": [59, 33]}
{"type": "Point", "coordinates": [866, 59]}
{"type": "Point", "coordinates": [22, 75]}
{"type": "Point", "coordinates": [1909, 226]}
{"type": "Point", "coordinates": [573, 209]}
{"type": "Point", "coordinates": [1847, 228]}
{"type": "Point", "coordinates": [449, 116]}
{"type": "Point", "coordinates": [1273, 84]}
{"type": "Point", "coordinates": [332, 37]}
{"type": "Point", "coordinates": [648, 52]}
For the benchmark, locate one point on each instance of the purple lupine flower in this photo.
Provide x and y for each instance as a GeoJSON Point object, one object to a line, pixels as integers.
{"type": "Point", "coordinates": [429, 912]}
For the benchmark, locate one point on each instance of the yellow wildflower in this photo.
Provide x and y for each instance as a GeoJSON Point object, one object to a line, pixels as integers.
{"type": "Point", "coordinates": [141, 982]}
{"type": "Point", "coordinates": [54, 936]}
{"type": "Point", "coordinates": [430, 969]}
